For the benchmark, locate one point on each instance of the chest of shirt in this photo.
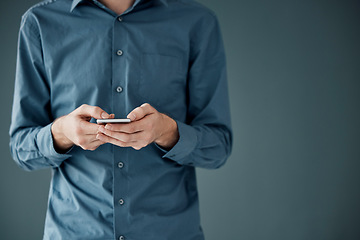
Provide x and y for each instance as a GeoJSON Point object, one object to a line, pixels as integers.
{"type": "Point", "coordinates": [116, 63]}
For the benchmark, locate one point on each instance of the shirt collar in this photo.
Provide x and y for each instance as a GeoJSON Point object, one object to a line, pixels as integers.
{"type": "Point", "coordinates": [76, 2]}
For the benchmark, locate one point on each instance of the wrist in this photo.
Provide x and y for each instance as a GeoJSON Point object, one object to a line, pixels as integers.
{"type": "Point", "coordinates": [170, 134]}
{"type": "Point", "coordinates": [61, 142]}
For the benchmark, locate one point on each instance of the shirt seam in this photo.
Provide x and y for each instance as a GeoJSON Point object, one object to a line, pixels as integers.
{"type": "Point", "coordinates": [31, 25]}
{"type": "Point", "coordinates": [40, 4]}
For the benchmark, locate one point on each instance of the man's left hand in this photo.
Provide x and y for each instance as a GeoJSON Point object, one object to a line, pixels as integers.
{"type": "Point", "coordinates": [147, 125]}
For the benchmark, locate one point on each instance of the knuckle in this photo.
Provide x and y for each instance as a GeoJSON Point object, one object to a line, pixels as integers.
{"type": "Point", "coordinates": [109, 133]}
{"type": "Point", "coordinates": [145, 105]}
{"type": "Point", "coordinates": [148, 107]}
{"type": "Point", "coordinates": [103, 137]}
{"type": "Point", "coordinates": [97, 109]}
{"type": "Point", "coordinates": [93, 111]}
{"type": "Point", "coordinates": [143, 109]}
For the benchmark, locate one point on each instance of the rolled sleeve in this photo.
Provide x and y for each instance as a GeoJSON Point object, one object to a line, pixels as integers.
{"type": "Point", "coordinates": [44, 140]}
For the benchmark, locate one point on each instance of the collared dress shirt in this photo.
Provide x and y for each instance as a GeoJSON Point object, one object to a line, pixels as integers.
{"type": "Point", "coordinates": [168, 53]}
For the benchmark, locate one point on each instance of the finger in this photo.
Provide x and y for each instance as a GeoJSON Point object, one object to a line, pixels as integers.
{"type": "Point", "coordinates": [92, 145]}
{"type": "Point", "coordinates": [95, 144]}
{"type": "Point", "coordinates": [132, 127]}
{"type": "Point", "coordinates": [107, 139]}
{"type": "Point", "coordinates": [122, 136]}
{"type": "Point", "coordinates": [92, 111]}
{"type": "Point", "coordinates": [135, 145]}
{"type": "Point", "coordinates": [140, 112]}
{"type": "Point", "coordinates": [85, 139]}
{"type": "Point", "coordinates": [88, 128]}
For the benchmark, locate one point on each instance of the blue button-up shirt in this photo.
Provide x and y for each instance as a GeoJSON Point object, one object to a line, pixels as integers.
{"type": "Point", "coordinates": [164, 52]}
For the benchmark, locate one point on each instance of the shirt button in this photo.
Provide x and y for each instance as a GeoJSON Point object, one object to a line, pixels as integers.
{"type": "Point", "coordinates": [121, 238]}
{"type": "Point", "coordinates": [119, 89]}
{"type": "Point", "coordinates": [120, 19]}
{"type": "Point", "coordinates": [119, 52]}
{"type": "Point", "coordinates": [120, 164]}
{"type": "Point", "coordinates": [121, 201]}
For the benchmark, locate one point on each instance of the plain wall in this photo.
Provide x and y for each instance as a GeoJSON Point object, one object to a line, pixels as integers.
{"type": "Point", "coordinates": [294, 81]}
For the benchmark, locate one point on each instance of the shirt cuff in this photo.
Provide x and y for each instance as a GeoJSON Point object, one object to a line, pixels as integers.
{"type": "Point", "coordinates": [45, 144]}
{"type": "Point", "coordinates": [186, 144]}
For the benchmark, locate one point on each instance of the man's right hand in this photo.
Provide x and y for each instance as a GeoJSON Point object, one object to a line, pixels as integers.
{"type": "Point", "coordinates": [75, 128]}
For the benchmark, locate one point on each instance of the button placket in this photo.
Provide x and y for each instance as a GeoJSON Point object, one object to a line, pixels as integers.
{"type": "Point", "coordinates": [119, 49]}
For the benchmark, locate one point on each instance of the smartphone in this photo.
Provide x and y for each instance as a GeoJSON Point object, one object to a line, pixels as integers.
{"type": "Point", "coordinates": [112, 120]}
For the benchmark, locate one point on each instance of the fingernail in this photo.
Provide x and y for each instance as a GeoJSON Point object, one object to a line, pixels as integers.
{"type": "Point", "coordinates": [131, 116]}
{"type": "Point", "coordinates": [101, 129]}
{"type": "Point", "coordinates": [104, 115]}
{"type": "Point", "coordinates": [108, 126]}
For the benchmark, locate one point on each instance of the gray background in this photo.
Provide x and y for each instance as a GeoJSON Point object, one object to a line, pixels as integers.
{"type": "Point", "coordinates": [294, 79]}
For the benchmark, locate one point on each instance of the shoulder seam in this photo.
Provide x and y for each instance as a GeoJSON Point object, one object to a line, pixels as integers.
{"type": "Point", "coordinates": [43, 3]}
{"type": "Point", "coordinates": [29, 11]}
{"type": "Point", "coordinates": [31, 26]}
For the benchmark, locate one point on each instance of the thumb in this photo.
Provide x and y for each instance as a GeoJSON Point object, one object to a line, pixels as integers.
{"type": "Point", "coordinates": [93, 111]}
{"type": "Point", "coordinates": [140, 112]}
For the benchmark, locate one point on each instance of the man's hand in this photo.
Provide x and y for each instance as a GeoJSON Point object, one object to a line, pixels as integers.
{"type": "Point", "coordinates": [147, 125]}
{"type": "Point", "coordinates": [75, 128]}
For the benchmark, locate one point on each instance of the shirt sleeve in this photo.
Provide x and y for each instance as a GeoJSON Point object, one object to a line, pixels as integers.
{"type": "Point", "coordinates": [206, 138]}
{"type": "Point", "coordinates": [31, 142]}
